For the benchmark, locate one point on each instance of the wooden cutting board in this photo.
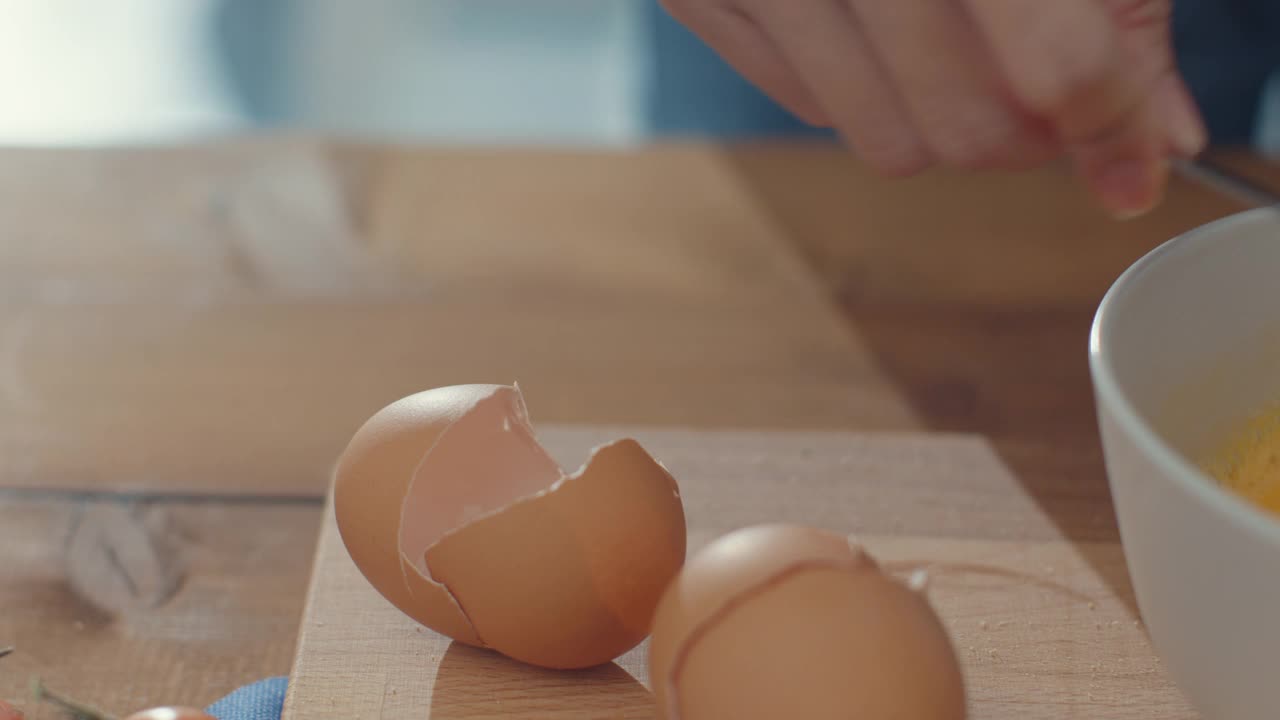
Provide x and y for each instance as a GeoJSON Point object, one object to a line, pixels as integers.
{"type": "Point", "coordinates": [1024, 563]}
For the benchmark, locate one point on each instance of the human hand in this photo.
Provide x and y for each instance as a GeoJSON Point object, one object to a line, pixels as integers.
{"type": "Point", "coordinates": [975, 84]}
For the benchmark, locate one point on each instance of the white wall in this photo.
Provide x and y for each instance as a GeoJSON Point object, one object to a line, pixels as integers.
{"type": "Point", "coordinates": [102, 71]}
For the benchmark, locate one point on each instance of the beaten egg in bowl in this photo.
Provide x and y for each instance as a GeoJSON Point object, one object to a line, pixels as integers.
{"type": "Point", "coordinates": [1249, 462]}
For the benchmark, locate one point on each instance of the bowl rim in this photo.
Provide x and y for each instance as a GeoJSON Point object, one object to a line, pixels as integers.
{"type": "Point", "coordinates": [1180, 470]}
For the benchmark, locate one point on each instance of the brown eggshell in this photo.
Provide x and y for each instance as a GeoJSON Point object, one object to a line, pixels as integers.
{"type": "Point", "coordinates": [370, 483]}
{"type": "Point", "coordinates": [453, 512]}
{"type": "Point", "coordinates": [570, 578]}
{"type": "Point", "coordinates": [782, 621]}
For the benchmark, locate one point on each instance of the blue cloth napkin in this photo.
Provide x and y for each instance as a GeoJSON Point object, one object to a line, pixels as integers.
{"type": "Point", "coordinates": [263, 700]}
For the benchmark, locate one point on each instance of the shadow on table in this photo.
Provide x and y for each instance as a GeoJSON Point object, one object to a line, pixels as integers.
{"type": "Point", "coordinates": [1020, 379]}
{"type": "Point", "coordinates": [471, 683]}
{"type": "Point", "coordinates": [1014, 371]}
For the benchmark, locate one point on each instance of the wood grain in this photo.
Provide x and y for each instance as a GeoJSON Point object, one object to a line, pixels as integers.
{"type": "Point", "coordinates": [231, 338]}
{"type": "Point", "coordinates": [1258, 168]}
{"type": "Point", "coordinates": [216, 320]}
{"type": "Point", "coordinates": [233, 619]}
{"type": "Point", "coordinates": [1044, 626]}
{"type": "Point", "coordinates": [974, 294]}
{"type": "Point", "coordinates": [1029, 240]}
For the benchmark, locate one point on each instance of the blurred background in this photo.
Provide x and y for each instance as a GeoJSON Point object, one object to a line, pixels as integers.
{"type": "Point", "coordinates": [560, 71]}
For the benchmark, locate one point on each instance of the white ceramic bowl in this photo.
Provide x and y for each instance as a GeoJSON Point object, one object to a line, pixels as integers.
{"type": "Point", "coordinates": [1184, 345]}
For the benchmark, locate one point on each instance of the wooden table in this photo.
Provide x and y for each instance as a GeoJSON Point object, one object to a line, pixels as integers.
{"type": "Point", "coordinates": [189, 335]}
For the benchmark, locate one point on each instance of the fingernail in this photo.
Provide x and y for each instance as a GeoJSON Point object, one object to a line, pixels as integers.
{"type": "Point", "coordinates": [1125, 215]}
{"type": "Point", "coordinates": [1129, 187]}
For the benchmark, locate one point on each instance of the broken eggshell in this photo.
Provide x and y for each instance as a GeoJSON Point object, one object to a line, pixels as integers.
{"type": "Point", "coordinates": [457, 516]}
{"type": "Point", "coordinates": [779, 621]}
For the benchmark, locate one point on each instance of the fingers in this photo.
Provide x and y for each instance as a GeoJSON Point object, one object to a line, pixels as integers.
{"type": "Point", "coordinates": [973, 83]}
{"type": "Point", "coordinates": [825, 45]}
{"type": "Point", "coordinates": [1065, 62]}
{"type": "Point", "coordinates": [749, 50]}
{"type": "Point", "coordinates": [1126, 170]}
{"type": "Point", "coordinates": [1129, 172]}
{"type": "Point", "coordinates": [954, 92]}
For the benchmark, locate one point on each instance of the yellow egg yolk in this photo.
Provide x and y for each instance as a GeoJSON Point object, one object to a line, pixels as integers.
{"type": "Point", "coordinates": [1249, 464]}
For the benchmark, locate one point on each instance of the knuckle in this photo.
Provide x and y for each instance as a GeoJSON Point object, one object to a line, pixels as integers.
{"type": "Point", "coordinates": [971, 150]}
{"type": "Point", "coordinates": [898, 159]}
{"type": "Point", "coordinates": [887, 144]}
{"type": "Point", "coordinates": [1067, 73]}
{"type": "Point", "coordinates": [971, 157]}
{"type": "Point", "coordinates": [976, 140]}
{"type": "Point", "coordinates": [1027, 155]}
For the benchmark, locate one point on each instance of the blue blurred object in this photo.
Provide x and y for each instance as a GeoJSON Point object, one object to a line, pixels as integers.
{"type": "Point", "coordinates": [1228, 50]}
{"type": "Point", "coordinates": [263, 700]}
{"type": "Point", "coordinates": [252, 39]}
{"type": "Point", "coordinates": [683, 87]}
{"type": "Point", "coordinates": [694, 92]}
{"type": "Point", "coordinates": [440, 69]}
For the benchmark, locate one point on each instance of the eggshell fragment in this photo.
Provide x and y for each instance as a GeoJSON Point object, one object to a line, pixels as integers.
{"type": "Point", "coordinates": [579, 581]}
{"type": "Point", "coordinates": [454, 513]}
{"type": "Point", "coordinates": [370, 482]}
{"type": "Point", "coordinates": [783, 621]}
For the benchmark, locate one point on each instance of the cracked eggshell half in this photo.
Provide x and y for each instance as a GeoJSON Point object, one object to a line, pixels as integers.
{"type": "Point", "coordinates": [457, 516]}
{"type": "Point", "coordinates": [784, 621]}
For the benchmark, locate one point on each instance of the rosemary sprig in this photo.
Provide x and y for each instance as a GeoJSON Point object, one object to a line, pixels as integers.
{"type": "Point", "coordinates": [76, 709]}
